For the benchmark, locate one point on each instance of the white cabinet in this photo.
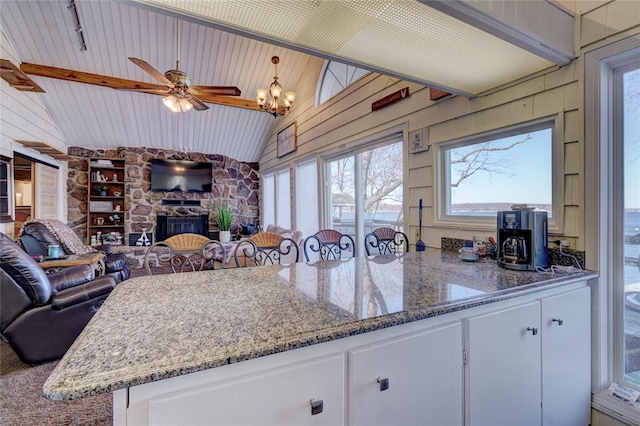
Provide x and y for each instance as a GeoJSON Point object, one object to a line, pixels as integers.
{"type": "Point", "coordinates": [504, 382]}
{"type": "Point", "coordinates": [412, 380]}
{"type": "Point", "coordinates": [280, 396]}
{"type": "Point", "coordinates": [530, 364]}
{"type": "Point", "coordinates": [527, 363]}
{"type": "Point", "coordinates": [566, 358]}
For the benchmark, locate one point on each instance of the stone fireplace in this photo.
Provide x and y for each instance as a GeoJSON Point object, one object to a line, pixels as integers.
{"type": "Point", "coordinates": [233, 182]}
{"type": "Point", "coordinates": [168, 226]}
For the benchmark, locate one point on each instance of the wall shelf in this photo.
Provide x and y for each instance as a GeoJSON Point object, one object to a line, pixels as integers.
{"type": "Point", "coordinates": [101, 207]}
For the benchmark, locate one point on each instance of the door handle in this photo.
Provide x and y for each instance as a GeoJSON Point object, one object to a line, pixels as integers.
{"type": "Point", "coordinates": [560, 321]}
{"type": "Point", "coordinates": [533, 330]}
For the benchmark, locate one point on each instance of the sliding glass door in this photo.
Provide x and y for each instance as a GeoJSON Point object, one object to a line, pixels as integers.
{"type": "Point", "coordinates": [365, 189]}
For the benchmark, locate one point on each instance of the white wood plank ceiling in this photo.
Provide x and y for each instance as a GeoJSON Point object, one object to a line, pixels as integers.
{"type": "Point", "coordinates": [229, 53]}
{"type": "Point", "coordinates": [43, 32]}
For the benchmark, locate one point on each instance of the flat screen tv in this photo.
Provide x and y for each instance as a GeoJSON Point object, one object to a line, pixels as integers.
{"type": "Point", "coordinates": [181, 176]}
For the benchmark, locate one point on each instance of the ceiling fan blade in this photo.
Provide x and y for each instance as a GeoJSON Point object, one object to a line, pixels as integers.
{"type": "Point", "coordinates": [198, 105]}
{"type": "Point", "coordinates": [130, 85]}
{"type": "Point", "coordinates": [151, 71]}
{"type": "Point", "coordinates": [215, 90]}
{"type": "Point", "coordinates": [158, 91]}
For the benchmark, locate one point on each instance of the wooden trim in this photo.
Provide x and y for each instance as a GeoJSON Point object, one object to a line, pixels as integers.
{"type": "Point", "coordinates": [16, 78]}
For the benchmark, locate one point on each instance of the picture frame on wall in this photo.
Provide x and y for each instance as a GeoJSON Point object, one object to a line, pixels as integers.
{"type": "Point", "coordinates": [287, 140]}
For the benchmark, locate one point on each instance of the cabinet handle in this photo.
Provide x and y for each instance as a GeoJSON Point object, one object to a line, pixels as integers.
{"type": "Point", "coordinates": [560, 321]}
{"type": "Point", "coordinates": [316, 406]}
{"type": "Point", "coordinates": [533, 330]}
{"type": "Point", "coordinates": [384, 383]}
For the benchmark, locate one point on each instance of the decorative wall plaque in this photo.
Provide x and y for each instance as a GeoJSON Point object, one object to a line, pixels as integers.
{"type": "Point", "coordinates": [391, 99]}
{"type": "Point", "coordinates": [418, 140]}
{"type": "Point", "coordinates": [287, 140]}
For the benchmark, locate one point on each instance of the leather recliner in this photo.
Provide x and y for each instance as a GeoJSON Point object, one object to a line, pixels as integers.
{"type": "Point", "coordinates": [36, 239]}
{"type": "Point", "coordinates": [41, 315]}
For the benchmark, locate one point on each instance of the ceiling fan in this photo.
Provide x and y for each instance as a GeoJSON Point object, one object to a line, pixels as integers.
{"type": "Point", "coordinates": [182, 96]}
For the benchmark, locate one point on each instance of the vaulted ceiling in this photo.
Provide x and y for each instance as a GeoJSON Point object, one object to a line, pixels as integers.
{"type": "Point", "coordinates": [213, 52]}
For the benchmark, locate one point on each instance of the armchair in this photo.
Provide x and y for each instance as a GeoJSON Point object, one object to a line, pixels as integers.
{"type": "Point", "coordinates": [41, 315]}
{"type": "Point", "coordinates": [36, 236]}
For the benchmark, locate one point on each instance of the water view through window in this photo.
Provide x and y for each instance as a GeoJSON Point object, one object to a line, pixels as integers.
{"type": "Point", "coordinates": [492, 175]}
{"type": "Point", "coordinates": [631, 222]}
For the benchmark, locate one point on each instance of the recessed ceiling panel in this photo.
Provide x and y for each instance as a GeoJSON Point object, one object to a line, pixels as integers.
{"type": "Point", "coordinates": [404, 38]}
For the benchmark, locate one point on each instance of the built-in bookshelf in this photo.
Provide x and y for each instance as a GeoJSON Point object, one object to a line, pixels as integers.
{"type": "Point", "coordinates": [105, 202]}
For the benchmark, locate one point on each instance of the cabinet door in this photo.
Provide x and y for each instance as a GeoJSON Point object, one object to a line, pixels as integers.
{"type": "Point", "coordinates": [566, 358]}
{"type": "Point", "coordinates": [504, 370]}
{"type": "Point", "coordinates": [424, 373]}
{"type": "Point", "coordinates": [275, 397]}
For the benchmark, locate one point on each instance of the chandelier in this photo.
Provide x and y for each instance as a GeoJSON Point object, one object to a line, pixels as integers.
{"type": "Point", "coordinates": [272, 101]}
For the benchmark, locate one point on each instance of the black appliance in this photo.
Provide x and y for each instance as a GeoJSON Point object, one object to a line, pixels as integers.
{"type": "Point", "coordinates": [522, 240]}
{"type": "Point", "coordinates": [181, 175]}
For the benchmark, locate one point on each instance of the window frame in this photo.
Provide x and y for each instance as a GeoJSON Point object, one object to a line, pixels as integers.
{"type": "Point", "coordinates": [298, 185]}
{"type": "Point", "coordinates": [323, 76]}
{"type": "Point", "coordinates": [276, 194]}
{"type": "Point", "coordinates": [397, 134]}
{"type": "Point", "coordinates": [600, 249]}
{"type": "Point", "coordinates": [442, 193]}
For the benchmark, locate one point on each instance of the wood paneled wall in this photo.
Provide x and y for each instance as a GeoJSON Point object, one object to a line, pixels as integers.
{"type": "Point", "coordinates": [348, 118]}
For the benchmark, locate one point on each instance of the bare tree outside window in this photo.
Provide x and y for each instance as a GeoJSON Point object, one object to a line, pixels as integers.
{"type": "Point", "coordinates": [381, 172]}
{"type": "Point", "coordinates": [492, 175]}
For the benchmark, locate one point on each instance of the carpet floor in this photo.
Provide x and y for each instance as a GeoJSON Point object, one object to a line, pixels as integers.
{"type": "Point", "coordinates": [22, 402]}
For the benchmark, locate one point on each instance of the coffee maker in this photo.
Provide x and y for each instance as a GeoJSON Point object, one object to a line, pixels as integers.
{"type": "Point", "coordinates": [522, 240]}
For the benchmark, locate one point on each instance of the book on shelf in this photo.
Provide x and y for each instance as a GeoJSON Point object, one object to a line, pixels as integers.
{"type": "Point", "coordinates": [102, 163]}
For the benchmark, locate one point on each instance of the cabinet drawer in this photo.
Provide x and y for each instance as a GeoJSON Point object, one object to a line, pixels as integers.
{"type": "Point", "coordinates": [280, 396]}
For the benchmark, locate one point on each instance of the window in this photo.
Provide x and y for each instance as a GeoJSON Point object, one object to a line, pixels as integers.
{"type": "Point", "coordinates": [307, 211]}
{"type": "Point", "coordinates": [334, 78]}
{"type": "Point", "coordinates": [490, 172]}
{"type": "Point", "coordinates": [365, 189]}
{"type": "Point", "coordinates": [612, 156]}
{"type": "Point", "coordinates": [627, 79]}
{"type": "Point", "coordinates": [276, 199]}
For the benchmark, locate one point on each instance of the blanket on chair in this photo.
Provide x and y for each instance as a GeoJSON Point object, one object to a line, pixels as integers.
{"type": "Point", "coordinates": [68, 239]}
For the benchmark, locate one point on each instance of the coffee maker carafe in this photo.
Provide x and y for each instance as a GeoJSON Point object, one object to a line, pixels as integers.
{"type": "Point", "coordinates": [522, 240]}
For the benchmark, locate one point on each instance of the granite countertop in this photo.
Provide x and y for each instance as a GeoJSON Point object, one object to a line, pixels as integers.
{"type": "Point", "coordinates": [156, 327]}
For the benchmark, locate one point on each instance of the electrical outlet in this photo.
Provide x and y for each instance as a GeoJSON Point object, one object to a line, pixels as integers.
{"type": "Point", "coordinates": [565, 243]}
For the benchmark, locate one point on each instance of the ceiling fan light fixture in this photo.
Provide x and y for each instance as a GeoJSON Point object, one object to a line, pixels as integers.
{"type": "Point", "coordinates": [170, 102]}
{"type": "Point", "coordinates": [185, 105]}
{"type": "Point", "coordinates": [177, 103]}
{"type": "Point", "coordinates": [274, 104]}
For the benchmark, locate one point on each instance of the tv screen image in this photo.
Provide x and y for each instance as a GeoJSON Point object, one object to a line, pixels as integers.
{"type": "Point", "coordinates": [181, 176]}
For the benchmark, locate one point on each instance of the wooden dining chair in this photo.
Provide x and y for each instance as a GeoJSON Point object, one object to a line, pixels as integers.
{"type": "Point", "coordinates": [328, 244]}
{"type": "Point", "coordinates": [266, 248]}
{"type": "Point", "coordinates": [386, 241]}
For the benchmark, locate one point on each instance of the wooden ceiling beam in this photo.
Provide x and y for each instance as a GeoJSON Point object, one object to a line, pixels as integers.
{"type": "Point", "coordinates": [16, 78]}
{"type": "Point", "coordinates": [124, 84]}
